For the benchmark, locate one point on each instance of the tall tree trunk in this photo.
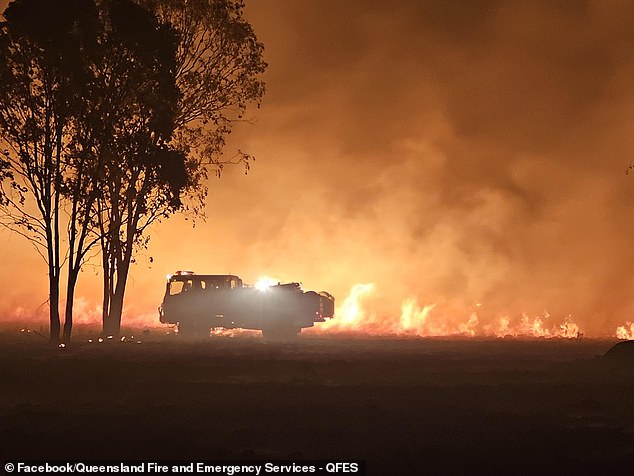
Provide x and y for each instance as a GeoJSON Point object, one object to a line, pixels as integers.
{"type": "Point", "coordinates": [105, 306]}
{"type": "Point", "coordinates": [53, 286]}
{"type": "Point", "coordinates": [70, 297]}
{"type": "Point", "coordinates": [117, 293]}
{"type": "Point", "coordinates": [114, 316]}
{"type": "Point", "coordinates": [108, 279]}
{"type": "Point", "coordinates": [53, 297]}
{"type": "Point", "coordinates": [57, 180]}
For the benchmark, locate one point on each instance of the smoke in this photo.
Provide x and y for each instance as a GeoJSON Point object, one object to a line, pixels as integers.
{"type": "Point", "coordinates": [455, 153]}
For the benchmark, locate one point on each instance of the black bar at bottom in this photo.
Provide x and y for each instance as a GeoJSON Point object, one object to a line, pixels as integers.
{"type": "Point", "coordinates": [198, 467]}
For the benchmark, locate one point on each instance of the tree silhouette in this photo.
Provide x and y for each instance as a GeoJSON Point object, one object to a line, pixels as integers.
{"type": "Point", "coordinates": [218, 66]}
{"type": "Point", "coordinates": [144, 176]}
{"type": "Point", "coordinates": [216, 70]}
{"type": "Point", "coordinates": [42, 73]}
{"type": "Point", "coordinates": [112, 113]}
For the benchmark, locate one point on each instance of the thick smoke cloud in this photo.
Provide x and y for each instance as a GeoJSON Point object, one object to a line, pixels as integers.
{"type": "Point", "coordinates": [456, 152]}
{"type": "Point", "coordinates": [466, 153]}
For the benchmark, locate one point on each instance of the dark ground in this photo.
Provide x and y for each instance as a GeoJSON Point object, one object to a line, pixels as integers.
{"type": "Point", "coordinates": [416, 406]}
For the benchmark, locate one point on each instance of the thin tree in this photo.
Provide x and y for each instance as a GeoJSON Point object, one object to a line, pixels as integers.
{"type": "Point", "coordinates": [141, 174]}
{"type": "Point", "coordinates": [41, 49]}
{"type": "Point", "coordinates": [216, 70]}
{"type": "Point", "coordinates": [126, 116]}
{"type": "Point", "coordinates": [81, 188]}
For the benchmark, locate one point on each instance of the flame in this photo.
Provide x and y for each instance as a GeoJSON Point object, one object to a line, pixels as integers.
{"type": "Point", "coordinates": [412, 317]}
{"type": "Point", "coordinates": [569, 329]}
{"type": "Point", "coordinates": [419, 321]}
{"type": "Point", "coordinates": [429, 320]}
{"type": "Point", "coordinates": [625, 332]}
{"type": "Point", "coordinates": [535, 327]}
{"type": "Point", "coordinates": [469, 328]}
{"type": "Point", "coordinates": [351, 310]}
{"type": "Point", "coordinates": [351, 313]}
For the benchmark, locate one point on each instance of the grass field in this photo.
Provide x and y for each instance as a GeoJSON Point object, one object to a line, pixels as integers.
{"type": "Point", "coordinates": [406, 406]}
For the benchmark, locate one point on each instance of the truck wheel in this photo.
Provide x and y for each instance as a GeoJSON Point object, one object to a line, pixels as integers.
{"type": "Point", "coordinates": [190, 330]}
{"type": "Point", "coordinates": [280, 333]}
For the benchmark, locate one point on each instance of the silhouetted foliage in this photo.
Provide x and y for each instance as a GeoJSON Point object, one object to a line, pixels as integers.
{"type": "Point", "coordinates": [144, 175]}
{"type": "Point", "coordinates": [218, 66]}
{"type": "Point", "coordinates": [215, 71]}
{"type": "Point", "coordinates": [111, 114]}
{"type": "Point", "coordinates": [42, 76]}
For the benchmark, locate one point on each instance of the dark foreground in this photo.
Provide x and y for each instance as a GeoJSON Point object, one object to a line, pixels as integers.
{"type": "Point", "coordinates": [405, 406]}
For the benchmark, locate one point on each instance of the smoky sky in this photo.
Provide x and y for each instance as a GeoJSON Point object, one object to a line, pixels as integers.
{"type": "Point", "coordinates": [457, 152]}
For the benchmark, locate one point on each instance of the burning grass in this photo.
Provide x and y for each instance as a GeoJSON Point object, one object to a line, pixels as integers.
{"type": "Point", "coordinates": [356, 315]}
{"type": "Point", "coordinates": [428, 320]}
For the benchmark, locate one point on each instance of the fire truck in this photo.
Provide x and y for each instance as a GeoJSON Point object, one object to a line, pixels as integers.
{"type": "Point", "coordinates": [197, 303]}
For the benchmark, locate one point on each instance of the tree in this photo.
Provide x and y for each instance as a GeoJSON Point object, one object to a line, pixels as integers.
{"type": "Point", "coordinates": [218, 66]}
{"type": "Point", "coordinates": [82, 108]}
{"type": "Point", "coordinates": [42, 46]}
{"type": "Point", "coordinates": [124, 166]}
{"type": "Point", "coordinates": [143, 175]}
{"type": "Point", "coordinates": [112, 113]}
{"type": "Point", "coordinates": [216, 70]}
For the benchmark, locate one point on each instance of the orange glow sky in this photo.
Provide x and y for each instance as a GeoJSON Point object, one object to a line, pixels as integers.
{"type": "Point", "coordinates": [457, 154]}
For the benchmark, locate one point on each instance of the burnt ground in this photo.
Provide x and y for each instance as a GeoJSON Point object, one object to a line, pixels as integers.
{"type": "Point", "coordinates": [416, 406]}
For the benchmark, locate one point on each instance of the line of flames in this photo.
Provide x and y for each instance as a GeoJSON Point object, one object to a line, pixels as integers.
{"type": "Point", "coordinates": [420, 321]}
